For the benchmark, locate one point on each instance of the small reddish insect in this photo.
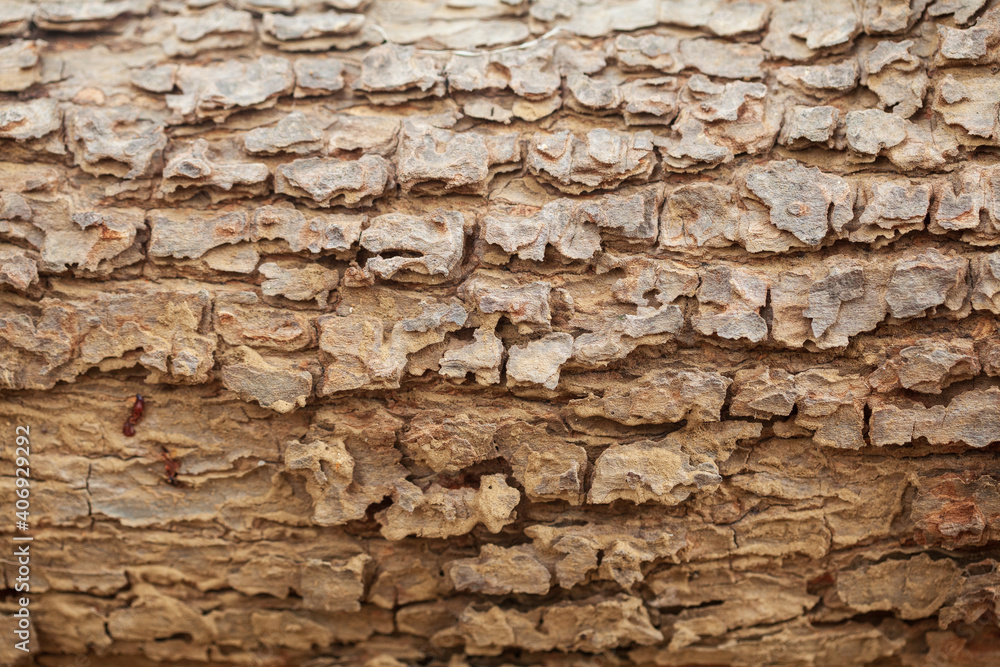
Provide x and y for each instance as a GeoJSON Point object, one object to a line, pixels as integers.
{"type": "Point", "coordinates": [133, 419]}
{"type": "Point", "coordinates": [172, 465]}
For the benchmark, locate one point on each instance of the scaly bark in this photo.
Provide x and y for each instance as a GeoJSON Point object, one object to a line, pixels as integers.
{"type": "Point", "coordinates": [536, 332]}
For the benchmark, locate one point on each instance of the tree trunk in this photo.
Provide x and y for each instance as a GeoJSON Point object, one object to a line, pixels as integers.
{"type": "Point", "coordinates": [501, 333]}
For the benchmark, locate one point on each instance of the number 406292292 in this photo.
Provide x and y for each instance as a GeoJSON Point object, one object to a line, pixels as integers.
{"type": "Point", "coordinates": [22, 471]}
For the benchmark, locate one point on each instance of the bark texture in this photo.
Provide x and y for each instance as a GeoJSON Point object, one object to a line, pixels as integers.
{"type": "Point", "coordinates": [504, 332]}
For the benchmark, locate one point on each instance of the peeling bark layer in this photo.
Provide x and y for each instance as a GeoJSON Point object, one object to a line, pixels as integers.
{"type": "Point", "coordinates": [642, 332]}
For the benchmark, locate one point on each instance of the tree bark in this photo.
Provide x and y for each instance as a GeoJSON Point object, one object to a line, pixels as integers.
{"type": "Point", "coordinates": [502, 333]}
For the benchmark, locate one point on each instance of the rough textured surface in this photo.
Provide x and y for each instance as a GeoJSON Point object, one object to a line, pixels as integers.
{"type": "Point", "coordinates": [490, 333]}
